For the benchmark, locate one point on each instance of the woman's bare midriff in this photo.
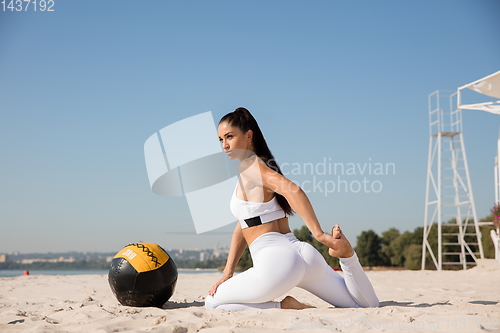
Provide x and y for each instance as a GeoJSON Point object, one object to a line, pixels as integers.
{"type": "Point", "coordinates": [280, 225]}
{"type": "Point", "coordinates": [283, 225]}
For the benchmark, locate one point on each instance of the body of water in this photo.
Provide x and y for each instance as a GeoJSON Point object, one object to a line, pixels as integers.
{"type": "Point", "coordinates": [11, 273]}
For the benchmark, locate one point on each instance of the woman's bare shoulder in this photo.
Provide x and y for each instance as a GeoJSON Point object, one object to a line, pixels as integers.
{"type": "Point", "coordinates": [254, 169]}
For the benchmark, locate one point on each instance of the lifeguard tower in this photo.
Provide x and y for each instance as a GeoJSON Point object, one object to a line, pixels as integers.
{"type": "Point", "coordinates": [449, 202]}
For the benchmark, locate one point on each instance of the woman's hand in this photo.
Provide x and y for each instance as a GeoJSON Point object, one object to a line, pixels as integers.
{"type": "Point", "coordinates": [328, 240]}
{"type": "Point", "coordinates": [225, 277]}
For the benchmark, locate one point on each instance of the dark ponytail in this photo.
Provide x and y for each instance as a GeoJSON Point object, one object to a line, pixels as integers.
{"type": "Point", "coordinates": [243, 119]}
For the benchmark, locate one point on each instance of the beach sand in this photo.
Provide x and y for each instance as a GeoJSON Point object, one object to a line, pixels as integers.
{"type": "Point", "coordinates": [410, 301]}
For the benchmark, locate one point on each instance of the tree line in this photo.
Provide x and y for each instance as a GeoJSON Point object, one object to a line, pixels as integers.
{"type": "Point", "coordinates": [393, 248]}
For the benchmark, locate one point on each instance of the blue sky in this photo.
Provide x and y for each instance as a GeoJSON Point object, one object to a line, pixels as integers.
{"type": "Point", "coordinates": [84, 86]}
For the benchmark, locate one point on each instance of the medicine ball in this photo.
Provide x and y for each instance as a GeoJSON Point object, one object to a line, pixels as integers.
{"type": "Point", "coordinates": [142, 274]}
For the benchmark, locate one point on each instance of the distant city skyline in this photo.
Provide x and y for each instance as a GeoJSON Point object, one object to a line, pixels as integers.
{"type": "Point", "coordinates": [199, 254]}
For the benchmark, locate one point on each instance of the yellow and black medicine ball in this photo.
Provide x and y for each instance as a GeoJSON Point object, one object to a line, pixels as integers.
{"type": "Point", "coordinates": [142, 274]}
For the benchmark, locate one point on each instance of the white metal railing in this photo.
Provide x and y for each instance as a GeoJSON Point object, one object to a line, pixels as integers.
{"type": "Point", "coordinates": [448, 181]}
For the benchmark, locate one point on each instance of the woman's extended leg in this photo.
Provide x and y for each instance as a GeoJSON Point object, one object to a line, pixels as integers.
{"type": "Point", "coordinates": [277, 268]}
{"type": "Point", "coordinates": [354, 290]}
{"type": "Point", "coordinates": [355, 277]}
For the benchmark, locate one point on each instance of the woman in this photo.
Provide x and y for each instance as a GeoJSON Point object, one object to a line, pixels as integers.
{"type": "Point", "coordinates": [262, 201]}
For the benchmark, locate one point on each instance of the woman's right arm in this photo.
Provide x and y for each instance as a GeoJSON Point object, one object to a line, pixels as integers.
{"type": "Point", "coordinates": [238, 245]}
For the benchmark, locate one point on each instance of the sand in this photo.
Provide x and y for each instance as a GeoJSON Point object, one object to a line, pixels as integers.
{"type": "Point", "coordinates": [410, 301]}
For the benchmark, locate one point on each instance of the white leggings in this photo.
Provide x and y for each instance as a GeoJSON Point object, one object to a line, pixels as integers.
{"type": "Point", "coordinates": [281, 262]}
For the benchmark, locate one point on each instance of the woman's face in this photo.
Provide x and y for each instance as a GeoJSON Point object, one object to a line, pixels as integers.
{"type": "Point", "coordinates": [235, 143]}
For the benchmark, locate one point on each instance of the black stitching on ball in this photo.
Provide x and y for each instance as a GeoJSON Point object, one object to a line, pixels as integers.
{"type": "Point", "coordinates": [149, 253]}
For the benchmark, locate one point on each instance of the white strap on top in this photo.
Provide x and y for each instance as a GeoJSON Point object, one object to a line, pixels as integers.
{"type": "Point", "coordinates": [255, 213]}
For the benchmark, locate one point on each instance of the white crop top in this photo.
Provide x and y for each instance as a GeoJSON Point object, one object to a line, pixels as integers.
{"type": "Point", "coordinates": [251, 214]}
